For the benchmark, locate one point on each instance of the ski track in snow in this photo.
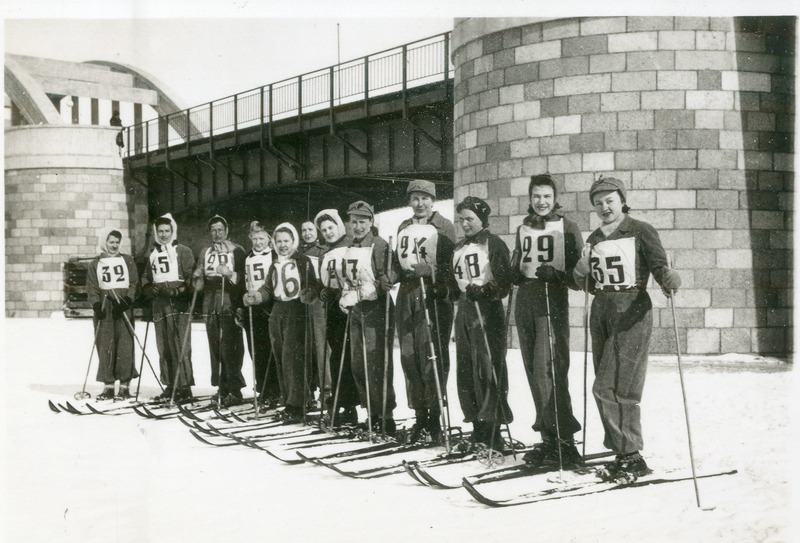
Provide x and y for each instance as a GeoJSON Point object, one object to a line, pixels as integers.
{"type": "Point", "coordinates": [128, 479]}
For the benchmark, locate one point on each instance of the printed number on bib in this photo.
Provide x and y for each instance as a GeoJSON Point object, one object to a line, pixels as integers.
{"type": "Point", "coordinates": [286, 281]}
{"type": "Point", "coordinates": [332, 266]}
{"type": "Point", "coordinates": [471, 265]}
{"type": "Point", "coordinates": [417, 243]}
{"type": "Point", "coordinates": [213, 260]}
{"type": "Point", "coordinates": [613, 263]}
{"type": "Point", "coordinates": [541, 247]}
{"type": "Point", "coordinates": [112, 273]}
{"type": "Point", "coordinates": [164, 266]}
{"type": "Point", "coordinates": [255, 268]}
{"type": "Point", "coordinates": [357, 268]}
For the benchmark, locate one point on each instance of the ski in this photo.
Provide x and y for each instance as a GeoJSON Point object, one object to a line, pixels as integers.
{"type": "Point", "coordinates": [584, 488]}
{"type": "Point", "coordinates": [419, 470]}
{"type": "Point", "coordinates": [382, 469]}
{"type": "Point", "coordinates": [53, 407]}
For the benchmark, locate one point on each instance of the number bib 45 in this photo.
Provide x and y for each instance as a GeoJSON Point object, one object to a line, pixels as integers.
{"type": "Point", "coordinates": [332, 266]}
{"type": "Point", "coordinates": [541, 247]}
{"type": "Point", "coordinates": [113, 273]}
{"type": "Point", "coordinates": [255, 270]}
{"type": "Point", "coordinates": [471, 265]}
{"type": "Point", "coordinates": [286, 280]}
{"type": "Point", "coordinates": [217, 259]}
{"type": "Point", "coordinates": [164, 265]}
{"type": "Point", "coordinates": [422, 236]}
{"type": "Point", "coordinates": [613, 263]}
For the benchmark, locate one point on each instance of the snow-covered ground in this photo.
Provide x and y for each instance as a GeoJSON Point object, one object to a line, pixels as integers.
{"type": "Point", "coordinates": [128, 479]}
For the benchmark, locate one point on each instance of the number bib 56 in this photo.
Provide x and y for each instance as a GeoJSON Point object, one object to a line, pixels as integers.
{"type": "Point", "coordinates": [613, 263]}
{"type": "Point", "coordinates": [471, 265]}
{"type": "Point", "coordinates": [541, 247]}
{"type": "Point", "coordinates": [255, 270]}
{"type": "Point", "coordinates": [113, 273]}
{"type": "Point", "coordinates": [286, 281]}
{"type": "Point", "coordinates": [416, 243]}
{"type": "Point", "coordinates": [332, 266]}
{"type": "Point", "coordinates": [164, 265]}
{"type": "Point", "coordinates": [217, 259]}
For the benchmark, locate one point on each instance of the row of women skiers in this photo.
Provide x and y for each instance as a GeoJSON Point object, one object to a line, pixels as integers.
{"type": "Point", "coordinates": [317, 314]}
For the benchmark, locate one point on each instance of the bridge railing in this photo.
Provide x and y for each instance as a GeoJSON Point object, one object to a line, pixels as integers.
{"type": "Point", "coordinates": [393, 70]}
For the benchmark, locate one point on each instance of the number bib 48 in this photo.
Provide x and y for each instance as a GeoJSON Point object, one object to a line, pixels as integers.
{"type": "Point", "coordinates": [113, 273]}
{"type": "Point", "coordinates": [422, 236]}
{"type": "Point", "coordinates": [217, 259]}
{"type": "Point", "coordinates": [332, 267]}
{"type": "Point", "coordinates": [286, 280]}
{"type": "Point", "coordinates": [255, 270]}
{"type": "Point", "coordinates": [471, 265]}
{"type": "Point", "coordinates": [541, 247]}
{"type": "Point", "coordinates": [164, 265]}
{"type": "Point", "coordinates": [613, 263]}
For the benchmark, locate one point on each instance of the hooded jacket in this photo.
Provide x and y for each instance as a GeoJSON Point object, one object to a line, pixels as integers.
{"type": "Point", "coordinates": [162, 259]}
{"type": "Point", "coordinates": [110, 271]}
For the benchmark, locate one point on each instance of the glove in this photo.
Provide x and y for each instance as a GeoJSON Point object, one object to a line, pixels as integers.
{"type": "Point", "coordinates": [307, 295]}
{"type": "Point", "coordinates": [99, 312]}
{"type": "Point", "coordinates": [224, 271]}
{"type": "Point", "coordinates": [170, 292]}
{"type": "Point", "coordinates": [549, 274]}
{"type": "Point", "coordinates": [422, 269]}
{"type": "Point", "coordinates": [121, 306]}
{"type": "Point", "coordinates": [238, 317]}
{"type": "Point", "coordinates": [670, 282]}
{"type": "Point", "coordinates": [328, 294]}
{"type": "Point", "coordinates": [383, 284]}
{"type": "Point", "coordinates": [490, 291]}
{"type": "Point", "coordinates": [198, 283]}
{"type": "Point", "coordinates": [409, 275]}
{"type": "Point", "coordinates": [581, 269]}
{"type": "Point", "coordinates": [156, 289]}
{"type": "Point", "coordinates": [439, 291]}
{"type": "Point", "coordinates": [253, 298]}
{"type": "Point", "coordinates": [473, 292]}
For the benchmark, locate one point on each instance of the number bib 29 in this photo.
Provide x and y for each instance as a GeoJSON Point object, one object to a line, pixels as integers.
{"type": "Point", "coordinates": [471, 265]}
{"type": "Point", "coordinates": [286, 280]}
{"type": "Point", "coordinates": [255, 270]}
{"type": "Point", "coordinates": [613, 263]}
{"type": "Point", "coordinates": [541, 247]}
{"type": "Point", "coordinates": [217, 259]}
{"type": "Point", "coordinates": [414, 237]}
{"type": "Point", "coordinates": [332, 266]}
{"type": "Point", "coordinates": [164, 265]}
{"type": "Point", "coordinates": [113, 273]}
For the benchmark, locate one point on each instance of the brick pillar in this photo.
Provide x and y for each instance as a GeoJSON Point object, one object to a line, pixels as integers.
{"type": "Point", "coordinates": [693, 113]}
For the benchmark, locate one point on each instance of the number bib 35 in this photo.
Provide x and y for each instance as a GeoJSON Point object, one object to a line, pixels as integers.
{"type": "Point", "coordinates": [471, 265]}
{"type": "Point", "coordinates": [255, 270]}
{"type": "Point", "coordinates": [113, 273]}
{"type": "Point", "coordinates": [417, 236]}
{"type": "Point", "coordinates": [217, 259]}
{"type": "Point", "coordinates": [541, 247]}
{"type": "Point", "coordinates": [286, 281]}
{"type": "Point", "coordinates": [164, 265]}
{"type": "Point", "coordinates": [613, 263]}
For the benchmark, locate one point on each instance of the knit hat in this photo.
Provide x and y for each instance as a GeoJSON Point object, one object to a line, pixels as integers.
{"type": "Point", "coordinates": [421, 185]}
{"type": "Point", "coordinates": [361, 208]}
{"type": "Point", "coordinates": [606, 184]}
{"type": "Point", "coordinates": [217, 218]}
{"type": "Point", "coordinates": [477, 206]}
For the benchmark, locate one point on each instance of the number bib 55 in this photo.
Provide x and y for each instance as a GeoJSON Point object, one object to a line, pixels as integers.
{"type": "Point", "coordinates": [164, 265]}
{"type": "Point", "coordinates": [613, 263]}
{"type": "Point", "coordinates": [113, 273]}
{"type": "Point", "coordinates": [417, 236]}
{"type": "Point", "coordinates": [255, 271]}
{"type": "Point", "coordinates": [286, 281]}
{"type": "Point", "coordinates": [471, 265]}
{"type": "Point", "coordinates": [217, 259]}
{"type": "Point", "coordinates": [541, 247]}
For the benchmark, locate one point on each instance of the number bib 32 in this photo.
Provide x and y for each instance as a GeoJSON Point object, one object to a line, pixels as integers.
{"type": "Point", "coordinates": [286, 280]}
{"type": "Point", "coordinates": [541, 247]}
{"type": "Point", "coordinates": [471, 265]}
{"type": "Point", "coordinates": [255, 270]}
{"type": "Point", "coordinates": [217, 259]}
{"type": "Point", "coordinates": [613, 263]}
{"type": "Point", "coordinates": [417, 236]}
{"type": "Point", "coordinates": [113, 273]}
{"type": "Point", "coordinates": [164, 265]}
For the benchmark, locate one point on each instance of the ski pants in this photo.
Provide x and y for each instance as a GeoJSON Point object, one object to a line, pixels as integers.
{"type": "Point", "coordinates": [621, 325]}
{"type": "Point", "coordinates": [259, 340]}
{"type": "Point", "coordinates": [476, 369]}
{"type": "Point", "coordinates": [339, 342]}
{"type": "Point", "coordinates": [226, 348]}
{"type": "Point", "coordinates": [534, 341]}
{"type": "Point", "coordinates": [415, 355]}
{"type": "Point", "coordinates": [171, 321]}
{"type": "Point", "coordinates": [288, 336]}
{"type": "Point", "coordinates": [368, 320]}
{"type": "Point", "coordinates": [114, 343]}
{"type": "Point", "coordinates": [322, 369]}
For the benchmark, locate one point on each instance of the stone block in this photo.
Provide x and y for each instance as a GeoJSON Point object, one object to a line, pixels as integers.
{"type": "Point", "coordinates": [694, 219]}
{"type": "Point", "coordinates": [710, 41]}
{"type": "Point", "coordinates": [619, 141]}
{"type": "Point", "coordinates": [753, 160]}
{"type": "Point", "coordinates": [657, 218]}
{"type": "Point", "coordinates": [511, 131]}
{"type": "Point", "coordinates": [561, 28]}
{"type": "Point", "coordinates": [578, 182]}
{"type": "Point", "coordinates": [677, 80]}
{"type": "Point", "coordinates": [619, 101]}
{"type": "Point", "coordinates": [614, 62]}
{"type": "Point", "coordinates": [697, 179]}
{"type": "Point", "coordinates": [746, 81]}
{"type": "Point", "coordinates": [657, 139]}
{"type": "Point", "coordinates": [630, 81]}
{"type": "Point", "coordinates": [769, 340]}
{"type": "Point", "coordinates": [768, 220]}
{"type": "Point", "coordinates": [582, 84]}
{"type": "Point", "coordinates": [520, 74]}
{"type": "Point", "coordinates": [719, 160]}
{"type": "Point", "coordinates": [512, 94]}
{"type": "Point", "coordinates": [735, 340]}
{"type": "Point", "coordinates": [584, 46]}
{"type": "Point", "coordinates": [633, 160]}
{"type": "Point", "coordinates": [692, 298]}
{"type": "Point", "coordinates": [718, 317]}
{"type": "Point", "coordinates": [784, 162]}
{"type": "Point", "coordinates": [593, 162]}
{"type": "Point", "coordinates": [524, 148]}
{"type": "Point", "coordinates": [755, 120]}
{"type": "Point", "coordinates": [538, 128]}
{"type": "Point", "coordinates": [717, 199]}
{"type": "Point", "coordinates": [746, 41]}
{"type": "Point", "coordinates": [563, 67]}
{"type": "Point", "coordinates": [698, 139]}
{"type": "Point", "coordinates": [733, 218]}
{"type": "Point", "coordinates": [712, 277]}
{"type": "Point", "coordinates": [718, 239]}
{"type": "Point", "coordinates": [650, 60]}
{"type": "Point", "coordinates": [704, 60]}
{"type": "Point", "coordinates": [519, 186]}
{"type": "Point", "coordinates": [599, 122]}
{"type": "Point", "coordinates": [554, 145]}
{"type": "Point", "coordinates": [602, 25]}
{"type": "Point", "coordinates": [708, 119]}
{"type": "Point", "coordinates": [487, 136]}
{"type": "Point", "coordinates": [672, 119]}
{"type": "Point", "coordinates": [635, 120]}
{"type": "Point", "coordinates": [675, 159]}
{"type": "Point", "coordinates": [583, 103]}
{"type": "Point", "coordinates": [636, 24]}
{"type": "Point", "coordinates": [500, 114]}
{"type": "Point", "coordinates": [691, 23]}
{"type": "Point", "coordinates": [641, 199]}
{"type": "Point", "coordinates": [675, 199]}
{"type": "Point", "coordinates": [673, 99]}
{"type": "Point", "coordinates": [677, 239]}
{"type": "Point", "coordinates": [568, 124]}
{"type": "Point", "coordinates": [734, 258]}
{"type": "Point", "coordinates": [564, 163]}
{"type": "Point", "coordinates": [587, 143]}
{"type": "Point", "coordinates": [702, 341]}
{"type": "Point", "coordinates": [527, 110]}
{"type": "Point", "coordinates": [537, 52]}
{"type": "Point", "coordinates": [708, 99]}
{"type": "Point", "coordinates": [676, 39]}
{"type": "Point", "coordinates": [554, 107]}
{"type": "Point", "coordinates": [709, 80]}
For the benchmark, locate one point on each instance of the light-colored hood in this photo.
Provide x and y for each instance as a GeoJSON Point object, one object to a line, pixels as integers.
{"type": "Point", "coordinates": [295, 240]}
{"type": "Point", "coordinates": [336, 218]}
{"type": "Point", "coordinates": [102, 248]}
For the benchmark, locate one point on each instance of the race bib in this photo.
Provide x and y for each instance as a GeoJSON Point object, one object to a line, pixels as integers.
{"type": "Point", "coordinates": [471, 265]}
{"type": "Point", "coordinates": [357, 270]}
{"type": "Point", "coordinates": [112, 272]}
{"type": "Point", "coordinates": [286, 280]}
{"type": "Point", "coordinates": [164, 265]}
{"type": "Point", "coordinates": [255, 270]}
{"type": "Point", "coordinates": [331, 267]}
{"type": "Point", "coordinates": [613, 263]}
{"type": "Point", "coordinates": [414, 237]}
{"type": "Point", "coordinates": [541, 247]}
{"type": "Point", "coordinates": [214, 259]}
{"type": "Point", "coordinates": [314, 265]}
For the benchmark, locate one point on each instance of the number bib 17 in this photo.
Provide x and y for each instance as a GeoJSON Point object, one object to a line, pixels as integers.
{"type": "Point", "coordinates": [613, 263]}
{"type": "Point", "coordinates": [417, 236]}
{"type": "Point", "coordinates": [471, 265]}
{"type": "Point", "coordinates": [541, 247]}
{"type": "Point", "coordinates": [255, 270]}
{"type": "Point", "coordinates": [357, 268]}
{"type": "Point", "coordinates": [164, 265]}
{"type": "Point", "coordinates": [332, 266]}
{"type": "Point", "coordinates": [286, 280]}
{"type": "Point", "coordinates": [217, 259]}
{"type": "Point", "coordinates": [113, 273]}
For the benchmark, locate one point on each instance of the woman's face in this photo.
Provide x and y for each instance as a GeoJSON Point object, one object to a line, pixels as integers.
{"type": "Point", "coordinates": [309, 232]}
{"type": "Point", "coordinates": [283, 243]}
{"type": "Point", "coordinates": [470, 223]}
{"type": "Point", "coordinates": [218, 232]}
{"type": "Point", "coordinates": [112, 244]}
{"type": "Point", "coordinates": [421, 204]}
{"type": "Point", "coordinates": [260, 241]}
{"type": "Point", "coordinates": [542, 199]}
{"type": "Point", "coordinates": [608, 206]}
{"type": "Point", "coordinates": [164, 232]}
{"type": "Point", "coordinates": [330, 231]}
{"type": "Point", "coordinates": [361, 225]}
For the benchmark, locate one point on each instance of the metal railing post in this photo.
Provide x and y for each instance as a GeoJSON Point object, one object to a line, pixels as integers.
{"type": "Point", "coordinates": [330, 92]}
{"type": "Point", "coordinates": [299, 102]}
{"type": "Point", "coordinates": [405, 81]}
{"type": "Point", "coordinates": [366, 86]}
{"type": "Point", "coordinates": [236, 119]}
{"type": "Point", "coordinates": [188, 130]}
{"type": "Point", "coordinates": [270, 115]}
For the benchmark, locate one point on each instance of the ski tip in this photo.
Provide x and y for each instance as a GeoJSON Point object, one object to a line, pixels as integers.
{"type": "Point", "coordinates": [53, 407]}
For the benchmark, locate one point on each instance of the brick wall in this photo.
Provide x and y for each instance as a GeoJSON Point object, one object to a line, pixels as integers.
{"type": "Point", "coordinates": [694, 114]}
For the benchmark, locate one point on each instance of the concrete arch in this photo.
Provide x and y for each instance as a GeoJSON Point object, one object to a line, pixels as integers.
{"type": "Point", "coordinates": [28, 95]}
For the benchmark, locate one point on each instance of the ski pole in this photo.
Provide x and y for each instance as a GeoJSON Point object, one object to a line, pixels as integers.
{"type": "Point", "coordinates": [141, 363]}
{"type": "Point", "coordinates": [325, 362]}
{"type": "Point", "coordinates": [83, 395]}
{"type": "Point", "coordinates": [386, 346]}
{"type": "Point", "coordinates": [551, 345]}
{"type": "Point", "coordinates": [683, 392]}
{"type": "Point", "coordinates": [585, 351]}
{"type": "Point", "coordinates": [335, 406]}
{"type": "Point", "coordinates": [433, 354]}
{"type": "Point", "coordinates": [183, 348]}
{"type": "Point", "coordinates": [306, 353]}
{"type": "Point", "coordinates": [133, 333]}
{"type": "Point", "coordinates": [253, 357]}
{"type": "Point", "coordinates": [514, 264]}
{"type": "Point", "coordinates": [219, 345]}
{"type": "Point", "coordinates": [366, 364]}
{"type": "Point", "coordinates": [441, 353]}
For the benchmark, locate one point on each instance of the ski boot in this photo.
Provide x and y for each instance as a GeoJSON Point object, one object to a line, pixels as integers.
{"type": "Point", "coordinates": [164, 397]}
{"type": "Point", "coordinates": [107, 394]}
{"type": "Point", "coordinates": [349, 416]}
{"type": "Point", "coordinates": [434, 428]}
{"type": "Point", "coordinates": [626, 468]}
{"type": "Point", "coordinates": [123, 394]}
{"type": "Point", "coordinates": [391, 426]}
{"type": "Point", "coordinates": [419, 426]}
{"type": "Point", "coordinates": [183, 394]}
{"type": "Point", "coordinates": [230, 400]}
